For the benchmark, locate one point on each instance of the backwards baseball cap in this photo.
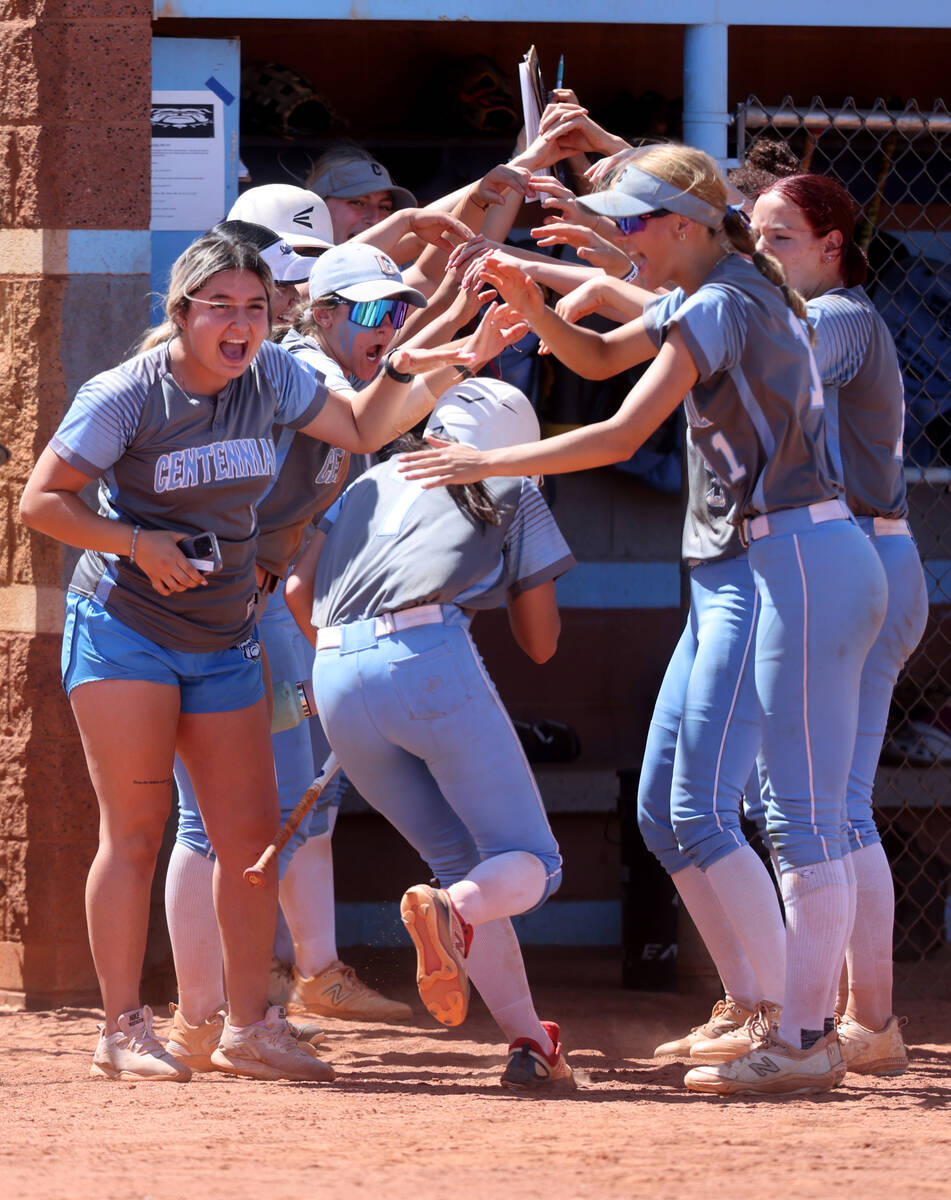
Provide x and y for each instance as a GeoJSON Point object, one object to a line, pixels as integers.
{"type": "Point", "coordinates": [357, 271]}
{"type": "Point", "coordinates": [346, 178]}
{"type": "Point", "coordinates": [484, 413]}
{"type": "Point", "coordinates": [635, 192]}
{"type": "Point", "coordinates": [285, 265]}
{"type": "Point", "coordinates": [300, 217]}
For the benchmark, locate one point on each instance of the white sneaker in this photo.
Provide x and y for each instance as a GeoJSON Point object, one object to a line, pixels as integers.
{"type": "Point", "coordinates": [135, 1053]}
{"type": "Point", "coordinates": [727, 1017]}
{"type": "Point", "coordinates": [773, 1068]}
{"type": "Point", "coordinates": [269, 1050]}
{"type": "Point", "coordinates": [873, 1051]}
{"type": "Point", "coordinates": [734, 1042]}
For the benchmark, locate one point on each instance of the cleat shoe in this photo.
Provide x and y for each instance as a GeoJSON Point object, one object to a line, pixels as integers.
{"type": "Point", "coordinates": [772, 1068]}
{"type": "Point", "coordinates": [738, 1041]}
{"type": "Point", "coordinates": [135, 1053]}
{"type": "Point", "coordinates": [529, 1069]}
{"type": "Point", "coordinates": [442, 942]}
{"type": "Point", "coordinates": [337, 991]}
{"type": "Point", "coordinates": [727, 1017]}
{"type": "Point", "coordinates": [193, 1044]}
{"type": "Point", "coordinates": [306, 1032]}
{"type": "Point", "coordinates": [873, 1051]}
{"type": "Point", "coordinates": [269, 1050]}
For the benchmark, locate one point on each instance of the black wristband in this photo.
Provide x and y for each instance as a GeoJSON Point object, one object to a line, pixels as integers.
{"type": "Point", "coordinates": [396, 376]}
{"type": "Point", "coordinates": [463, 371]}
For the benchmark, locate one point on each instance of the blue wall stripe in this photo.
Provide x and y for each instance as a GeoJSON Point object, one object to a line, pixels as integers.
{"type": "Point", "coordinates": [109, 252]}
{"type": "Point", "coordinates": [620, 585]}
{"type": "Point", "coordinates": [558, 923]}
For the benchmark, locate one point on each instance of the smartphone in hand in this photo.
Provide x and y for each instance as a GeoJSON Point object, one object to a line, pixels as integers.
{"type": "Point", "coordinates": [202, 552]}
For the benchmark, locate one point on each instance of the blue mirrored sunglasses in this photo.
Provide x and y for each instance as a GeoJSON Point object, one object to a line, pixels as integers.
{"type": "Point", "coordinates": [370, 313]}
{"type": "Point", "coordinates": [636, 224]}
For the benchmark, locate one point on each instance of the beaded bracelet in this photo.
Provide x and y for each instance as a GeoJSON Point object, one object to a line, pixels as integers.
{"type": "Point", "coordinates": [135, 534]}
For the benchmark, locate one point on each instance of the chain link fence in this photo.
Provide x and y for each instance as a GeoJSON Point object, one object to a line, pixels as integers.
{"type": "Point", "coordinates": [896, 163]}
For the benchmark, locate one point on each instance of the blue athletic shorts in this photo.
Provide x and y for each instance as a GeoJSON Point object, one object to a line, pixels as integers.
{"type": "Point", "coordinates": [98, 646]}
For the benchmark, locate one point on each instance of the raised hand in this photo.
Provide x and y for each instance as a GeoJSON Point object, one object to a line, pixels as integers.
{"type": "Point", "coordinates": [555, 195]}
{"type": "Point", "coordinates": [522, 295]}
{"type": "Point", "coordinates": [491, 188]}
{"type": "Point", "coordinates": [590, 246]}
{"type": "Point", "coordinates": [499, 327]}
{"type": "Point", "coordinates": [439, 228]}
{"type": "Point", "coordinates": [445, 463]}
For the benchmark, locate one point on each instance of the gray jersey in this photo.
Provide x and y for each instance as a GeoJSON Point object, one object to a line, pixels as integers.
{"type": "Point", "coordinates": [864, 401]}
{"type": "Point", "coordinates": [169, 460]}
{"type": "Point", "coordinates": [708, 534]}
{"type": "Point", "coordinates": [308, 472]}
{"type": "Point", "coordinates": [755, 411]}
{"type": "Point", "coordinates": [393, 545]}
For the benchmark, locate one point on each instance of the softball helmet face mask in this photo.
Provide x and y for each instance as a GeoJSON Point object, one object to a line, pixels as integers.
{"type": "Point", "coordinates": [486, 414]}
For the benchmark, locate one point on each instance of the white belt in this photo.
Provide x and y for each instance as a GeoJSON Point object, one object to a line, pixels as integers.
{"type": "Point", "coordinates": [789, 519]}
{"type": "Point", "coordinates": [384, 625]}
{"type": "Point", "coordinates": [886, 526]}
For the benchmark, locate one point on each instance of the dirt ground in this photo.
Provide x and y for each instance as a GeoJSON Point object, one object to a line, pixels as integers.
{"type": "Point", "coordinates": [417, 1112]}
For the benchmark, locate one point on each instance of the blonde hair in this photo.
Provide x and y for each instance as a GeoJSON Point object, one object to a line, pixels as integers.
{"type": "Point", "coordinates": [207, 256]}
{"type": "Point", "coordinates": [694, 171]}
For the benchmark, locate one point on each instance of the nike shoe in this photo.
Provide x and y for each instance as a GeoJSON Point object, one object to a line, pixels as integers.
{"type": "Point", "coordinates": [871, 1051]}
{"type": "Point", "coordinates": [530, 1069]}
{"type": "Point", "coordinates": [133, 1052]}
{"type": "Point", "coordinates": [269, 1050]}
{"type": "Point", "coordinates": [737, 1041]}
{"type": "Point", "coordinates": [442, 941]}
{"type": "Point", "coordinates": [337, 991]}
{"type": "Point", "coordinates": [727, 1017]}
{"type": "Point", "coordinates": [773, 1068]}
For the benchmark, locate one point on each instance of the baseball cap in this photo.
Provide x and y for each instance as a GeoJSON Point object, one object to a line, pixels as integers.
{"type": "Point", "coordinates": [357, 271]}
{"type": "Point", "coordinates": [342, 180]}
{"type": "Point", "coordinates": [635, 192]}
{"type": "Point", "coordinates": [484, 413]}
{"type": "Point", "coordinates": [285, 265]}
{"type": "Point", "coordinates": [300, 217]}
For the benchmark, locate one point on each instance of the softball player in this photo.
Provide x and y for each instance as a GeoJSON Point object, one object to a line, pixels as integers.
{"type": "Point", "coordinates": [737, 345]}
{"type": "Point", "coordinates": [807, 222]}
{"type": "Point", "coordinates": [159, 656]}
{"type": "Point", "coordinates": [418, 725]}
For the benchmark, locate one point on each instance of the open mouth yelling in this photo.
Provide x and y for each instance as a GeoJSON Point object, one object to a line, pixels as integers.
{"type": "Point", "coordinates": [234, 351]}
{"type": "Point", "coordinates": [375, 352]}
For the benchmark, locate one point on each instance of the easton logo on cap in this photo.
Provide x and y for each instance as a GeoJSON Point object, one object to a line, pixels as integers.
{"type": "Point", "coordinates": [303, 217]}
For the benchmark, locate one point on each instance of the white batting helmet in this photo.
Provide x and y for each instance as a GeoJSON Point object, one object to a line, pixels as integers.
{"type": "Point", "coordinates": [486, 414]}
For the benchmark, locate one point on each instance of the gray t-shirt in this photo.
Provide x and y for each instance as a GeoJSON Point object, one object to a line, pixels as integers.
{"type": "Point", "coordinates": [308, 471]}
{"type": "Point", "coordinates": [755, 411]}
{"type": "Point", "coordinates": [864, 401]}
{"type": "Point", "coordinates": [708, 535]}
{"type": "Point", "coordinates": [393, 545]}
{"type": "Point", "coordinates": [166, 459]}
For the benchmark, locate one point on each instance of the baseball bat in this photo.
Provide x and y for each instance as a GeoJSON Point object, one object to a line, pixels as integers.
{"type": "Point", "coordinates": [255, 876]}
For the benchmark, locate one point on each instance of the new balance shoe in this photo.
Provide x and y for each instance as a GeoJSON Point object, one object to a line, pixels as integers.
{"type": "Point", "coordinates": [338, 991]}
{"type": "Point", "coordinates": [727, 1016]}
{"type": "Point", "coordinates": [873, 1051]}
{"type": "Point", "coordinates": [773, 1068]}
{"type": "Point", "coordinates": [442, 941]}
{"type": "Point", "coordinates": [269, 1050]}
{"type": "Point", "coordinates": [530, 1069]}
{"type": "Point", "coordinates": [738, 1041]}
{"type": "Point", "coordinates": [134, 1053]}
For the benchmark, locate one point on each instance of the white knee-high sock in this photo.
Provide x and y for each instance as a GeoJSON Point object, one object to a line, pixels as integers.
{"type": "Point", "coordinates": [817, 904]}
{"type": "Point", "coordinates": [747, 896]}
{"type": "Point", "coordinates": [869, 953]}
{"type": "Point", "coordinates": [496, 968]}
{"type": "Point", "coordinates": [719, 936]}
{"type": "Point", "coordinates": [307, 901]}
{"type": "Point", "coordinates": [501, 886]}
{"type": "Point", "coordinates": [193, 930]}
{"type": "Point", "coordinates": [830, 1007]}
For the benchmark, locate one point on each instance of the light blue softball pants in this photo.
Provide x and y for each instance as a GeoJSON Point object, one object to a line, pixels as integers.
{"type": "Point", "coordinates": [299, 753]}
{"type": "Point", "coordinates": [901, 631]}
{"type": "Point", "coordinates": [421, 732]}
{"type": "Point", "coordinates": [823, 598]}
{"type": "Point", "coordinates": [704, 731]}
